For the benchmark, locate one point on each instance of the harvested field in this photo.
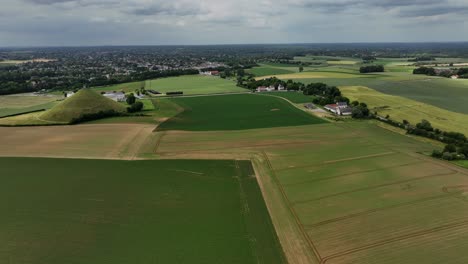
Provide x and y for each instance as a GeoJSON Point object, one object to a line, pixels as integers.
{"type": "Point", "coordinates": [355, 191]}
{"type": "Point", "coordinates": [80, 141]}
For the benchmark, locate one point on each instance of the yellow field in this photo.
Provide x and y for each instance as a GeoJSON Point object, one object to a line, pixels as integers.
{"type": "Point", "coordinates": [342, 62]}
{"type": "Point", "coordinates": [401, 108]}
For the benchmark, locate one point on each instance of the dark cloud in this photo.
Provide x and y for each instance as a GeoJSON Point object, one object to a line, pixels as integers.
{"type": "Point", "coordinates": [164, 10]}
{"type": "Point", "coordinates": [50, 2]}
{"type": "Point", "coordinates": [433, 11]}
{"type": "Point", "coordinates": [403, 3]}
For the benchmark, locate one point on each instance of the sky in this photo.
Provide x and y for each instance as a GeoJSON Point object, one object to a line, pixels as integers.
{"type": "Point", "coordinates": [195, 22]}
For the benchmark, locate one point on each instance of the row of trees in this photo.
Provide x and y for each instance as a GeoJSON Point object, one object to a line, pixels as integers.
{"type": "Point", "coordinates": [21, 82]}
{"type": "Point", "coordinates": [457, 144]}
{"type": "Point", "coordinates": [323, 93]}
{"type": "Point", "coordinates": [462, 72]}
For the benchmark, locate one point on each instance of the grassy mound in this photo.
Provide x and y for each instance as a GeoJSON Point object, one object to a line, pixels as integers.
{"type": "Point", "coordinates": [83, 105]}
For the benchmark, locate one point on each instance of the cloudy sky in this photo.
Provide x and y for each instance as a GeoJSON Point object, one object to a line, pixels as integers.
{"type": "Point", "coordinates": [146, 22]}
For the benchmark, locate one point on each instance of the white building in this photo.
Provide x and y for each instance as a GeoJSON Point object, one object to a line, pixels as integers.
{"type": "Point", "coordinates": [117, 96]}
{"type": "Point", "coordinates": [340, 108]}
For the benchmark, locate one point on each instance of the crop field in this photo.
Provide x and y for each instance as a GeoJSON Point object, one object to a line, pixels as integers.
{"type": "Point", "coordinates": [400, 108]}
{"type": "Point", "coordinates": [15, 104]}
{"type": "Point", "coordinates": [440, 92]}
{"type": "Point", "coordinates": [194, 84]}
{"type": "Point", "coordinates": [111, 141]}
{"type": "Point", "coordinates": [270, 70]}
{"type": "Point", "coordinates": [320, 75]}
{"type": "Point", "coordinates": [294, 97]}
{"type": "Point", "coordinates": [103, 211]}
{"type": "Point", "coordinates": [234, 112]}
{"type": "Point", "coordinates": [356, 192]}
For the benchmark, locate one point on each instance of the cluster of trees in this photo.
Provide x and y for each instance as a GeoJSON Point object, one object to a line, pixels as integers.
{"type": "Point", "coordinates": [422, 58]}
{"type": "Point", "coordinates": [462, 72]}
{"type": "Point", "coordinates": [135, 106]}
{"type": "Point", "coordinates": [95, 116]}
{"type": "Point", "coordinates": [368, 58]}
{"type": "Point", "coordinates": [252, 84]}
{"type": "Point", "coordinates": [12, 82]}
{"type": "Point", "coordinates": [360, 110]}
{"type": "Point", "coordinates": [457, 143]}
{"type": "Point", "coordinates": [325, 94]}
{"type": "Point", "coordinates": [425, 70]}
{"type": "Point", "coordinates": [372, 68]}
{"type": "Point", "coordinates": [452, 152]}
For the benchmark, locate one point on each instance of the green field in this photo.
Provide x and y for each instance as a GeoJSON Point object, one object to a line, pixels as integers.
{"type": "Point", "coordinates": [234, 112]}
{"type": "Point", "coordinates": [194, 84]}
{"type": "Point", "coordinates": [400, 108]}
{"type": "Point", "coordinates": [16, 104]}
{"type": "Point", "coordinates": [440, 92]}
{"type": "Point", "coordinates": [268, 70]}
{"type": "Point", "coordinates": [359, 193]}
{"type": "Point", "coordinates": [189, 84]}
{"type": "Point", "coordinates": [294, 97]}
{"type": "Point", "coordinates": [98, 211]}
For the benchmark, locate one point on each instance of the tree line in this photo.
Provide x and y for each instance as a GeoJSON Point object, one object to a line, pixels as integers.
{"type": "Point", "coordinates": [322, 93]}
{"type": "Point", "coordinates": [461, 72]}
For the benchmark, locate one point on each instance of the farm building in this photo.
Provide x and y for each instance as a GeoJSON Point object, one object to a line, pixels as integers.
{"type": "Point", "coordinates": [270, 88]}
{"type": "Point", "coordinates": [116, 96]}
{"type": "Point", "coordinates": [454, 76]}
{"type": "Point", "coordinates": [69, 94]}
{"type": "Point", "coordinates": [210, 73]}
{"type": "Point", "coordinates": [340, 108]}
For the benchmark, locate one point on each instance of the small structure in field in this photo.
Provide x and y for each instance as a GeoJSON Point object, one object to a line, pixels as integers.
{"type": "Point", "coordinates": [116, 96]}
{"type": "Point", "coordinates": [454, 76]}
{"type": "Point", "coordinates": [69, 94]}
{"type": "Point", "coordinates": [340, 108]}
{"type": "Point", "coordinates": [310, 106]}
{"type": "Point", "coordinates": [265, 89]}
{"type": "Point", "coordinates": [210, 73]}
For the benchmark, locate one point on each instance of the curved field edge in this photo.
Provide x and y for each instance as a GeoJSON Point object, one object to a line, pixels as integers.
{"type": "Point", "coordinates": [401, 108]}
{"type": "Point", "coordinates": [211, 208]}
{"type": "Point", "coordinates": [236, 112]}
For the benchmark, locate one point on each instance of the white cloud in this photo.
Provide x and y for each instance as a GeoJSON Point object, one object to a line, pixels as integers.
{"type": "Point", "coordinates": [94, 22]}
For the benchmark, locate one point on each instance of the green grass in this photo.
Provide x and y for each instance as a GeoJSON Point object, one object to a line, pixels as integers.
{"type": "Point", "coordinates": [194, 84]}
{"type": "Point", "coordinates": [295, 97]}
{"type": "Point", "coordinates": [125, 87]}
{"type": "Point", "coordinates": [444, 93]}
{"type": "Point", "coordinates": [189, 84]}
{"type": "Point", "coordinates": [463, 163]}
{"type": "Point", "coordinates": [83, 102]}
{"type": "Point", "coordinates": [166, 211]}
{"type": "Point", "coordinates": [269, 70]}
{"type": "Point", "coordinates": [234, 112]}
{"type": "Point", "coordinates": [14, 111]}
{"type": "Point", "coordinates": [400, 108]}
{"type": "Point", "coordinates": [15, 104]}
